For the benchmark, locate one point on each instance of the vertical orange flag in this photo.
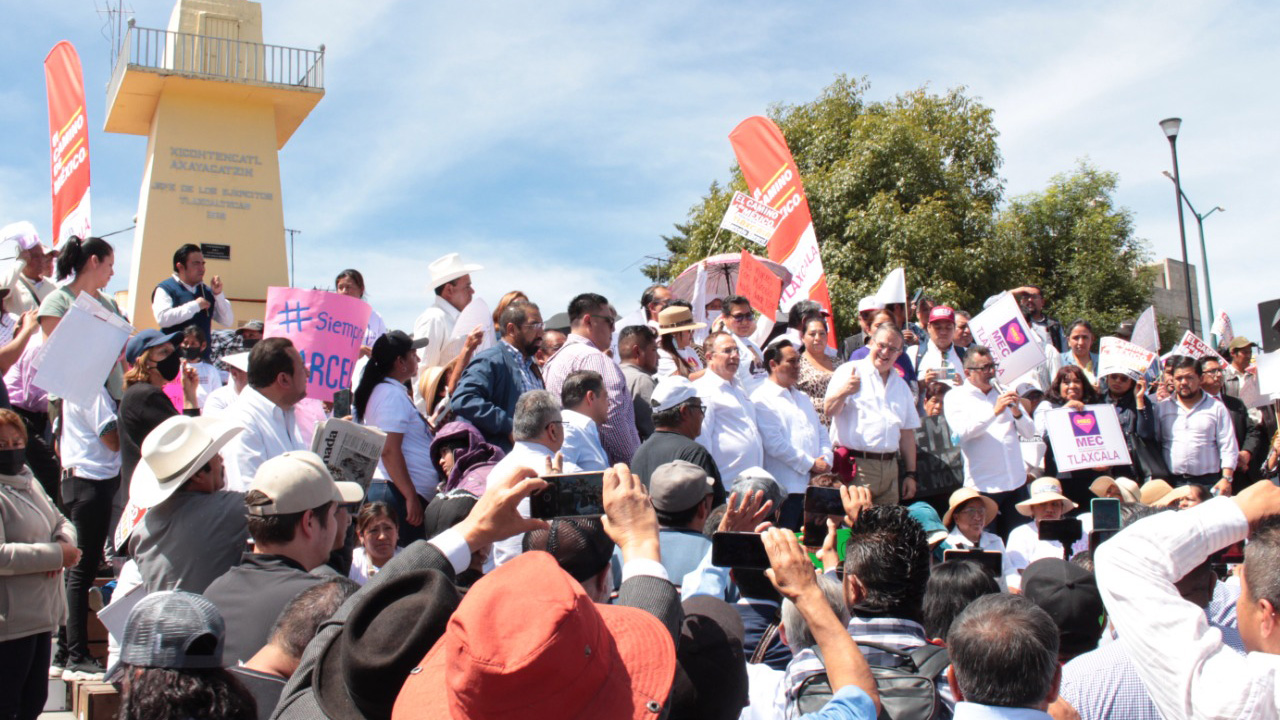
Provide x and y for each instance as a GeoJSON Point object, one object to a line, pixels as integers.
{"type": "Point", "coordinates": [773, 178]}
{"type": "Point", "coordinates": [68, 142]}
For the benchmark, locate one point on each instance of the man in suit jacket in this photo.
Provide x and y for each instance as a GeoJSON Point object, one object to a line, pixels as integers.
{"type": "Point", "coordinates": [496, 378]}
{"type": "Point", "coordinates": [1249, 435]}
{"type": "Point", "coordinates": [339, 678]}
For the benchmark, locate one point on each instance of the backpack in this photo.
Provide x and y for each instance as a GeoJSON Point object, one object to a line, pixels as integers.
{"type": "Point", "coordinates": [908, 690]}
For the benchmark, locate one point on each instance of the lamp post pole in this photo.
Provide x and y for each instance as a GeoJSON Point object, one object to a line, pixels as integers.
{"type": "Point", "coordinates": [1204, 255]}
{"type": "Point", "coordinates": [1171, 127]}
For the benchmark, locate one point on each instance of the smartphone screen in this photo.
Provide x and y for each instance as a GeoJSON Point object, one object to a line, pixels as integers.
{"type": "Point", "coordinates": [823, 501]}
{"type": "Point", "coordinates": [1065, 531]}
{"type": "Point", "coordinates": [990, 560]}
{"type": "Point", "coordinates": [1106, 513]}
{"type": "Point", "coordinates": [569, 495]}
{"type": "Point", "coordinates": [1097, 537]}
{"type": "Point", "coordinates": [342, 403]}
{"type": "Point", "coordinates": [815, 533]}
{"type": "Point", "coordinates": [739, 550]}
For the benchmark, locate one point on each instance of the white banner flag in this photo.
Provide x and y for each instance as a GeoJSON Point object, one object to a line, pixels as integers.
{"type": "Point", "coordinates": [1222, 328]}
{"type": "Point", "coordinates": [1145, 333]}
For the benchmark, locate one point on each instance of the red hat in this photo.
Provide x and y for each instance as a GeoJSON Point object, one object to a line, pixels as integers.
{"type": "Point", "coordinates": [942, 313]}
{"type": "Point", "coordinates": [527, 642]}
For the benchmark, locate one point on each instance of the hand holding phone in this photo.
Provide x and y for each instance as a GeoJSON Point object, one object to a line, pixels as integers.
{"type": "Point", "coordinates": [739, 550]}
{"type": "Point", "coordinates": [569, 495]}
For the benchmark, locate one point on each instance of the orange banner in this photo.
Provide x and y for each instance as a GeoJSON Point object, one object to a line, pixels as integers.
{"type": "Point", "coordinates": [758, 284]}
{"type": "Point", "coordinates": [68, 142]}
{"type": "Point", "coordinates": [773, 179]}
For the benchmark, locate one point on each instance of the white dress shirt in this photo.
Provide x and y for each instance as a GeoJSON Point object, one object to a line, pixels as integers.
{"type": "Point", "coordinates": [935, 359]}
{"type": "Point", "coordinates": [523, 454]}
{"type": "Point", "coordinates": [1187, 669]}
{"type": "Point", "coordinates": [1024, 548]}
{"type": "Point", "coordinates": [792, 433]}
{"type": "Point", "coordinates": [436, 324]}
{"type": "Point", "coordinates": [872, 419]}
{"type": "Point", "coordinates": [989, 443]}
{"type": "Point", "coordinates": [269, 431]}
{"type": "Point", "coordinates": [751, 367]}
{"type": "Point", "coordinates": [220, 401]}
{"type": "Point", "coordinates": [167, 315]}
{"type": "Point", "coordinates": [582, 442]}
{"type": "Point", "coordinates": [729, 430]}
{"type": "Point", "coordinates": [1199, 440]}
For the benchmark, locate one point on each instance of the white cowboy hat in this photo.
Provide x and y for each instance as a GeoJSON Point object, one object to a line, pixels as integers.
{"type": "Point", "coordinates": [175, 451]}
{"type": "Point", "coordinates": [239, 361]}
{"type": "Point", "coordinates": [449, 268]}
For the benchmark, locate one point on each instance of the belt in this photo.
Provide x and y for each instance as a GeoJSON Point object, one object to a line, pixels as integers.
{"type": "Point", "coordinates": [871, 455]}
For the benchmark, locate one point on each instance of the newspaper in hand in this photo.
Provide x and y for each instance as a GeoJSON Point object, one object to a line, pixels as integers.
{"type": "Point", "coordinates": [350, 450]}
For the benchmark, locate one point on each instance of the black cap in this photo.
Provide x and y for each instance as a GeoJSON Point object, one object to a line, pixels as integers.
{"type": "Point", "coordinates": [579, 544]}
{"type": "Point", "coordinates": [393, 344]}
{"type": "Point", "coordinates": [1069, 593]}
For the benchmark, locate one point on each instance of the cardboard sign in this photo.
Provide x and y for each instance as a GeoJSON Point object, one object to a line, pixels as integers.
{"type": "Point", "coordinates": [1118, 357]}
{"type": "Point", "coordinates": [1194, 347]}
{"type": "Point", "coordinates": [1005, 332]}
{"type": "Point", "coordinates": [326, 327]}
{"type": "Point", "coordinates": [1087, 438]}
{"type": "Point", "coordinates": [751, 218]}
{"type": "Point", "coordinates": [757, 283]}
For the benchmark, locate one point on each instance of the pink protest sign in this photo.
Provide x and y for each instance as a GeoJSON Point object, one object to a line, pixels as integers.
{"type": "Point", "coordinates": [327, 328]}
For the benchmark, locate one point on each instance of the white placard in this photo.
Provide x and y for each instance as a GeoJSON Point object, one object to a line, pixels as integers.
{"type": "Point", "coordinates": [1003, 330]}
{"type": "Point", "coordinates": [751, 218]}
{"type": "Point", "coordinates": [1192, 346]}
{"type": "Point", "coordinates": [1087, 438]}
{"type": "Point", "coordinates": [1116, 356]}
{"type": "Point", "coordinates": [476, 312]}
{"type": "Point", "coordinates": [1269, 373]}
{"type": "Point", "coordinates": [77, 358]}
{"type": "Point", "coordinates": [894, 288]}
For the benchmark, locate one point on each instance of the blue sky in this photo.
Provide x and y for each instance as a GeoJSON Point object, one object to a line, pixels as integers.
{"type": "Point", "coordinates": [555, 142]}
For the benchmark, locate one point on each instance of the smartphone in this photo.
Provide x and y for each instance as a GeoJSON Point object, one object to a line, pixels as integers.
{"type": "Point", "coordinates": [815, 532]}
{"type": "Point", "coordinates": [1097, 537]}
{"type": "Point", "coordinates": [739, 550]}
{"type": "Point", "coordinates": [342, 404]}
{"type": "Point", "coordinates": [1066, 531]}
{"type": "Point", "coordinates": [1106, 513]}
{"type": "Point", "coordinates": [947, 373]}
{"type": "Point", "coordinates": [990, 560]}
{"type": "Point", "coordinates": [569, 495]}
{"type": "Point", "coordinates": [823, 501]}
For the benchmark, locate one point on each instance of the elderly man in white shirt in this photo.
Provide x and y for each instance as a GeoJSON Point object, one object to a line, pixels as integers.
{"type": "Point", "coordinates": [729, 430]}
{"type": "Point", "coordinates": [990, 423]}
{"type": "Point", "coordinates": [1196, 432]}
{"type": "Point", "coordinates": [451, 282]}
{"type": "Point", "coordinates": [277, 382]}
{"type": "Point", "coordinates": [937, 357]}
{"type": "Point", "coordinates": [1187, 670]}
{"type": "Point", "coordinates": [874, 419]}
{"type": "Point", "coordinates": [586, 407]}
{"type": "Point", "coordinates": [796, 445]}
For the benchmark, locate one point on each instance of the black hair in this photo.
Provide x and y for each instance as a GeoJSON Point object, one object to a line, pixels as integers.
{"type": "Point", "coordinates": [515, 313]}
{"type": "Point", "coordinates": [1004, 651]}
{"type": "Point", "coordinates": [75, 254]}
{"type": "Point", "coordinates": [633, 336]}
{"type": "Point", "coordinates": [577, 385]}
{"type": "Point", "coordinates": [354, 276]}
{"type": "Point", "coordinates": [1054, 396]}
{"type": "Point", "coordinates": [268, 359]}
{"type": "Point", "coordinates": [374, 373]}
{"type": "Point", "coordinates": [733, 300]}
{"type": "Point", "coordinates": [194, 331]}
{"type": "Point", "coordinates": [1181, 362]}
{"type": "Point", "coordinates": [936, 389]}
{"type": "Point", "coordinates": [584, 304]}
{"type": "Point", "coordinates": [671, 416]}
{"type": "Point", "coordinates": [164, 694]}
{"type": "Point", "coordinates": [952, 586]}
{"type": "Point", "coordinates": [679, 518]}
{"type": "Point", "coordinates": [181, 254]}
{"type": "Point", "coordinates": [799, 314]}
{"type": "Point", "coordinates": [1205, 360]}
{"type": "Point", "coordinates": [1081, 323]}
{"type": "Point", "coordinates": [301, 618]}
{"type": "Point", "coordinates": [773, 352]}
{"type": "Point", "coordinates": [889, 554]}
{"type": "Point", "coordinates": [648, 295]}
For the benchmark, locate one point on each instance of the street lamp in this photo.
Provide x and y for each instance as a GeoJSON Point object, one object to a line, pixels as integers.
{"type": "Point", "coordinates": [1204, 256]}
{"type": "Point", "coordinates": [1170, 127]}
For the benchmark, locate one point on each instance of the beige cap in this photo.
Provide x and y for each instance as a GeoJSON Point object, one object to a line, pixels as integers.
{"type": "Point", "coordinates": [678, 485]}
{"type": "Point", "coordinates": [298, 481]}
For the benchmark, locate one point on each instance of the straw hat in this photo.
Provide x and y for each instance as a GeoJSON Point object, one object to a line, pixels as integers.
{"type": "Point", "coordinates": [964, 495]}
{"type": "Point", "coordinates": [429, 383]}
{"type": "Point", "coordinates": [1128, 489]}
{"type": "Point", "coordinates": [1154, 490]}
{"type": "Point", "coordinates": [1045, 490]}
{"type": "Point", "coordinates": [674, 319]}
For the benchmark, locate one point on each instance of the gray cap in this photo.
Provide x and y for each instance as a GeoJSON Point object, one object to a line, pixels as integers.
{"type": "Point", "coordinates": [175, 630]}
{"type": "Point", "coordinates": [677, 486]}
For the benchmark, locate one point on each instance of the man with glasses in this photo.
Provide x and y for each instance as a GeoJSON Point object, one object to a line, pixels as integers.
{"type": "Point", "coordinates": [496, 378]}
{"type": "Point", "coordinates": [729, 428]}
{"type": "Point", "coordinates": [991, 422]}
{"type": "Point", "coordinates": [591, 323]}
{"type": "Point", "coordinates": [740, 320]}
{"type": "Point", "coordinates": [1031, 301]}
{"type": "Point", "coordinates": [873, 420]}
{"type": "Point", "coordinates": [1196, 431]}
{"type": "Point", "coordinates": [677, 421]}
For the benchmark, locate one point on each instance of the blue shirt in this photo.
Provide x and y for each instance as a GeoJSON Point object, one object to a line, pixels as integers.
{"type": "Point", "coordinates": [849, 703]}
{"type": "Point", "coordinates": [526, 376]}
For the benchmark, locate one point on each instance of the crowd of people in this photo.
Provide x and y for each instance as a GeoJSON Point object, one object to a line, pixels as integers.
{"type": "Point", "coordinates": [940, 585]}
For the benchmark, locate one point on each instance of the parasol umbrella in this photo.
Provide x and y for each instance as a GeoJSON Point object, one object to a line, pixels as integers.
{"type": "Point", "coordinates": [722, 276]}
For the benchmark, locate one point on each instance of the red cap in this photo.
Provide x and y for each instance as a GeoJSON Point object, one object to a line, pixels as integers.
{"type": "Point", "coordinates": [942, 313]}
{"type": "Point", "coordinates": [527, 642]}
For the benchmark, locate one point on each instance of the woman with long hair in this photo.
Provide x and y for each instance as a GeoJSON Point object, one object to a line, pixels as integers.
{"type": "Point", "coordinates": [90, 265]}
{"type": "Point", "coordinates": [676, 355]}
{"type": "Point", "coordinates": [351, 283]}
{"type": "Point", "coordinates": [406, 478]}
{"type": "Point", "coordinates": [1070, 389]}
{"type": "Point", "coordinates": [815, 366]}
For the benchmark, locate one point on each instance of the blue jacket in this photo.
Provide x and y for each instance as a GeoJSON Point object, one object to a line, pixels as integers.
{"type": "Point", "coordinates": [487, 393]}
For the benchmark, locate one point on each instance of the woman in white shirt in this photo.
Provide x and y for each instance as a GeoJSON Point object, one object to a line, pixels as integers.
{"type": "Point", "coordinates": [351, 283]}
{"type": "Point", "coordinates": [406, 478]}
{"type": "Point", "coordinates": [377, 529]}
{"type": "Point", "coordinates": [1025, 546]}
{"type": "Point", "coordinates": [676, 355]}
{"type": "Point", "coordinates": [967, 514]}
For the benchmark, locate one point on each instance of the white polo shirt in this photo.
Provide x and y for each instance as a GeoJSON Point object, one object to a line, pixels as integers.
{"type": "Point", "coordinates": [391, 410]}
{"type": "Point", "coordinates": [872, 419]}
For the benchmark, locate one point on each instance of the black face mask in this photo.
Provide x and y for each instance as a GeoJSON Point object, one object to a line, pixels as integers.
{"type": "Point", "coordinates": [189, 353]}
{"type": "Point", "coordinates": [169, 367]}
{"type": "Point", "coordinates": [248, 343]}
{"type": "Point", "coordinates": [11, 461]}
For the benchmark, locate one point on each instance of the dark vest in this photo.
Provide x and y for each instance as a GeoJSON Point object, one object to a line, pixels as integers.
{"type": "Point", "coordinates": [181, 296]}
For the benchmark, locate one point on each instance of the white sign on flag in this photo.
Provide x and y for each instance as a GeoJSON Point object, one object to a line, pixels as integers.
{"type": "Point", "coordinates": [1192, 346]}
{"type": "Point", "coordinates": [1144, 331]}
{"type": "Point", "coordinates": [1116, 356]}
{"type": "Point", "coordinates": [1086, 438]}
{"type": "Point", "coordinates": [751, 218]}
{"type": "Point", "coordinates": [1005, 332]}
{"type": "Point", "coordinates": [894, 288]}
{"type": "Point", "coordinates": [77, 358]}
{"type": "Point", "coordinates": [1269, 374]}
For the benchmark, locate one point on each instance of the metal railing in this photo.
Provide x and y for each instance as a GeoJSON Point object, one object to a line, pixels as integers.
{"type": "Point", "coordinates": [220, 58]}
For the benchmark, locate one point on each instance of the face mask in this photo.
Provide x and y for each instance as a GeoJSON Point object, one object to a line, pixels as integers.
{"type": "Point", "coordinates": [248, 342]}
{"type": "Point", "coordinates": [189, 353]}
{"type": "Point", "coordinates": [11, 461]}
{"type": "Point", "coordinates": [169, 367]}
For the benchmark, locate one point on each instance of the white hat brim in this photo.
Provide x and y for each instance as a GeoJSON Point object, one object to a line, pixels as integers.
{"type": "Point", "coordinates": [147, 491]}
{"type": "Point", "coordinates": [454, 274]}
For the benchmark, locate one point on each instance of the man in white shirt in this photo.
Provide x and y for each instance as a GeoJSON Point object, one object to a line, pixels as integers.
{"type": "Point", "coordinates": [451, 282]}
{"type": "Point", "coordinates": [1196, 432]}
{"type": "Point", "coordinates": [874, 419]}
{"type": "Point", "coordinates": [990, 423]}
{"type": "Point", "coordinates": [740, 320]}
{"type": "Point", "coordinates": [796, 445]}
{"type": "Point", "coordinates": [1186, 668]}
{"type": "Point", "coordinates": [183, 299]}
{"type": "Point", "coordinates": [586, 407]}
{"type": "Point", "coordinates": [25, 277]}
{"type": "Point", "coordinates": [729, 430]}
{"type": "Point", "coordinates": [937, 358]}
{"type": "Point", "coordinates": [277, 382]}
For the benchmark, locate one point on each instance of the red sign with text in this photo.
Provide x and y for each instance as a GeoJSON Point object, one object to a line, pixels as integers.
{"type": "Point", "coordinates": [68, 142]}
{"type": "Point", "coordinates": [757, 283]}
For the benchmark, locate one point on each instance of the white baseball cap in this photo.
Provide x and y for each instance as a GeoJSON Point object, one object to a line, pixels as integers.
{"type": "Point", "coordinates": [297, 481]}
{"type": "Point", "coordinates": [670, 392]}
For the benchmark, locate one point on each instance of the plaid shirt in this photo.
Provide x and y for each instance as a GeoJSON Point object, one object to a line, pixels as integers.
{"type": "Point", "coordinates": [527, 374]}
{"type": "Point", "coordinates": [618, 435]}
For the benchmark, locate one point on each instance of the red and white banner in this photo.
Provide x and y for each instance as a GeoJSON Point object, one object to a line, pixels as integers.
{"type": "Point", "coordinates": [1222, 328]}
{"type": "Point", "coordinates": [773, 179]}
{"type": "Point", "coordinates": [1192, 346]}
{"type": "Point", "coordinates": [68, 142]}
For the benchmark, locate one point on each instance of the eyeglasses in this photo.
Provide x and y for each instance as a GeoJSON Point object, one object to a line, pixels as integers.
{"type": "Point", "coordinates": [977, 511]}
{"type": "Point", "coordinates": [1215, 371]}
{"type": "Point", "coordinates": [536, 325]}
{"type": "Point", "coordinates": [743, 317]}
{"type": "Point", "coordinates": [892, 349]}
{"type": "Point", "coordinates": [731, 351]}
{"type": "Point", "coordinates": [989, 367]}
{"type": "Point", "coordinates": [607, 318]}
{"type": "Point", "coordinates": [555, 422]}
{"type": "Point", "coordinates": [696, 405]}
